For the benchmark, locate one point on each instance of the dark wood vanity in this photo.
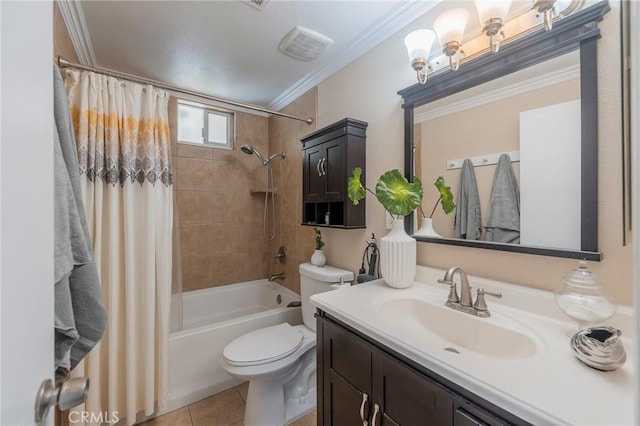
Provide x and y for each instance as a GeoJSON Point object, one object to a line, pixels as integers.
{"type": "Point", "coordinates": [361, 382]}
{"type": "Point", "coordinates": [329, 157]}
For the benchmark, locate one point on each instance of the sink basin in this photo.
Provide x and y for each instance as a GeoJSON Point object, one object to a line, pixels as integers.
{"type": "Point", "coordinates": [494, 337]}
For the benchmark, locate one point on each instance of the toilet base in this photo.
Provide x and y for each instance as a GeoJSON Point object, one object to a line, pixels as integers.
{"type": "Point", "coordinates": [269, 409]}
{"type": "Point", "coordinates": [279, 402]}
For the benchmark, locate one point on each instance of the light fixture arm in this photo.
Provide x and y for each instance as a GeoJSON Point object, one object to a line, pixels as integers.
{"type": "Point", "coordinates": [453, 49]}
{"type": "Point", "coordinates": [493, 29]}
{"type": "Point", "coordinates": [422, 69]}
{"type": "Point", "coordinates": [546, 8]}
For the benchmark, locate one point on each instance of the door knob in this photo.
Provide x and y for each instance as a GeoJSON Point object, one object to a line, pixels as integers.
{"type": "Point", "coordinates": [72, 392]}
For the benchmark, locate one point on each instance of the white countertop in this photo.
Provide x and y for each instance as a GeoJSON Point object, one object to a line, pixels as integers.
{"type": "Point", "coordinates": [551, 387]}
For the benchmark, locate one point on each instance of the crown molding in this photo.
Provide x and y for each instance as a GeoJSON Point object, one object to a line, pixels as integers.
{"type": "Point", "coordinates": [549, 79]}
{"type": "Point", "coordinates": [373, 35]}
{"type": "Point", "coordinates": [73, 17]}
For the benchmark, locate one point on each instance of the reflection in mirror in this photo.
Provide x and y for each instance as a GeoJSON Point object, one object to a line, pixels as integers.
{"type": "Point", "coordinates": [577, 32]}
{"type": "Point", "coordinates": [534, 116]}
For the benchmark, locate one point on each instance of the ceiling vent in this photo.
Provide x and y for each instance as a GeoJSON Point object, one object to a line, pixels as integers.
{"type": "Point", "coordinates": [258, 4]}
{"type": "Point", "coordinates": [304, 44]}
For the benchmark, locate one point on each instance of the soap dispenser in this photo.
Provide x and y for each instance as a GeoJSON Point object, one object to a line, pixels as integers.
{"type": "Point", "coordinates": [584, 299]}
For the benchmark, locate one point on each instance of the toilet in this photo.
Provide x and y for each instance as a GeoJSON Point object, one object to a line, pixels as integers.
{"type": "Point", "coordinates": [280, 361]}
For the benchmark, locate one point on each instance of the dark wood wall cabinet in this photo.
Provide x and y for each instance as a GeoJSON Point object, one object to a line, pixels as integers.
{"type": "Point", "coordinates": [363, 383]}
{"type": "Point", "coordinates": [329, 157]}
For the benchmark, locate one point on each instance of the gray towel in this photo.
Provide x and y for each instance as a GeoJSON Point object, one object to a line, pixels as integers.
{"type": "Point", "coordinates": [80, 318]}
{"type": "Point", "coordinates": [503, 216]}
{"type": "Point", "coordinates": [468, 221]}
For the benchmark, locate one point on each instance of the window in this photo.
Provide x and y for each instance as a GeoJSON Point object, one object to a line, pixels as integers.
{"type": "Point", "coordinates": [205, 125]}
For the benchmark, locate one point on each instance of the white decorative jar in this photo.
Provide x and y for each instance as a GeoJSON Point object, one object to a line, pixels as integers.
{"type": "Point", "coordinates": [318, 258]}
{"type": "Point", "coordinates": [426, 229]}
{"type": "Point", "coordinates": [398, 256]}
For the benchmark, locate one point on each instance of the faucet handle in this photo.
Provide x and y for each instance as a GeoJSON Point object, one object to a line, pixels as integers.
{"type": "Point", "coordinates": [481, 304]}
{"type": "Point", "coordinates": [453, 291]}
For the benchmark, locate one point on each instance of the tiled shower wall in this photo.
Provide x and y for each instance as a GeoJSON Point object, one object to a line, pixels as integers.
{"type": "Point", "coordinates": [220, 220]}
{"type": "Point", "coordinates": [285, 135]}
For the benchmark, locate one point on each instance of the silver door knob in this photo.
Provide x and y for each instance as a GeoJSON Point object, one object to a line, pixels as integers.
{"type": "Point", "coordinates": [72, 392]}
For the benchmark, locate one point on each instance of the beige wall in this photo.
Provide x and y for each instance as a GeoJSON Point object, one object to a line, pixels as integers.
{"type": "Point", "coordinates": [366, 90]}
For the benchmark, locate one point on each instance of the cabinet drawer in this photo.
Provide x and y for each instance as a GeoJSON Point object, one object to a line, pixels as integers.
{"type": "Point", "coordinates": [348, 356]}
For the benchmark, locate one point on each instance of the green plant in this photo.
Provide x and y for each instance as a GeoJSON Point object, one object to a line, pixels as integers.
{"type": "Point", "coordinates": [396, 194]}
{"type": "Point", "coordinates": [319, 242]}
{"type": "Point", "coordinates": [446, 198]}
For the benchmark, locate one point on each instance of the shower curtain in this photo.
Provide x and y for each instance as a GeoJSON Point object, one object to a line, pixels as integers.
{"type": "Point", "coordinates": [122, 136]}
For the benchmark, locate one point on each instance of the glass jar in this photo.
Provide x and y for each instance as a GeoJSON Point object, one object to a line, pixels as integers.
{"type": "Point", "coordinates": [584, 299]}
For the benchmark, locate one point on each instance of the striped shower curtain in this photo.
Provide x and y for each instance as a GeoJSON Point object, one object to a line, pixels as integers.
{"type": "Point", "coordinates": [122, 136]}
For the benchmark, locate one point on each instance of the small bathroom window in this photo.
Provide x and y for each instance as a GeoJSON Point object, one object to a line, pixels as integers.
{"type": "Point", "coordinates": [205, 125]}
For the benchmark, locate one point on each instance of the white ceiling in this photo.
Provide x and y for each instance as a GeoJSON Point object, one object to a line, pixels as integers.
{"type": "Point", "coordinates": [228, 48]}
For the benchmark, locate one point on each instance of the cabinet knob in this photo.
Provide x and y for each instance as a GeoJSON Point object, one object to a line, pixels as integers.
{"type": "Point", "coordinates": [318, 167]}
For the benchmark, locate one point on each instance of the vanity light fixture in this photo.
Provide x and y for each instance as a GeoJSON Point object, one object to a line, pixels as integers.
{"type": "Point", "coordinates": [546, 8]}
{"type": "Point", "coordinates": [449, 27]}
{"type": "Point", "coordinates": [418, 45]}
{"type": "Point", "coordinates": [492, 15]}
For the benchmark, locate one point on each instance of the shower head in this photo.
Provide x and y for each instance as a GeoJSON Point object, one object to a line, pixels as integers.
{"type": "Point", "coordinates": [248, 149]}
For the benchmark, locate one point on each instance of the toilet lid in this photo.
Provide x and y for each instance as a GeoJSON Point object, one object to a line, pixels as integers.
{"type": "Point", "coordinates": [263, 346]}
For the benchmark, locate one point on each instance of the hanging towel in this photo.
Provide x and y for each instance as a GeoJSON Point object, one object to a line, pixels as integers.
{"type": "Point", "coordinates": [80, 318]}
{"type": "Point", "coordinates": [468, 220]}
{"type": "Point", "coordinates": [503, 216]}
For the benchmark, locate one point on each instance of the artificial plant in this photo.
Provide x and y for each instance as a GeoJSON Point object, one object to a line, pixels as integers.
{"type": "Point", "coordinates": [446, 198]}
{"type": "Point", "coordinates": [319, 242]}
{"type": "Point", "coordinates": [396, 194]}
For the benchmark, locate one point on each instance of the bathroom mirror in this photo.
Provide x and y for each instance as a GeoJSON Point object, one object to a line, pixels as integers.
{"type": "Point", "coordinates": [501, 104]}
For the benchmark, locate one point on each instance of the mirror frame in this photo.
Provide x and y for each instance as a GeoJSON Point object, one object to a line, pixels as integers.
{"type": "Point", "coordinates": [578, 31]}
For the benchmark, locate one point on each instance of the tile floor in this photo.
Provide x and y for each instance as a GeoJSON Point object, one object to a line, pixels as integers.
{"type": "Point", "coordinates": [223, 409]}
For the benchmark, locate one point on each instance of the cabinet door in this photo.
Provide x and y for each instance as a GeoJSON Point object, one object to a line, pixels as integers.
{"type": "Point", "coordinates": [406, 397]}
{"type": "Point", "coordinates": [333, 166]}
{"type": "Point", "coordinates": [349, 406]}
{"type": "Point", "coordinates": [313, 177]}
{"type": "Point", "coordinates": [346, 373]}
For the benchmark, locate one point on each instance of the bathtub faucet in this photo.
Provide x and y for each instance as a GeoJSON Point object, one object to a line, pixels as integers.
{"type": "Point", "coordinates": [275, 277]}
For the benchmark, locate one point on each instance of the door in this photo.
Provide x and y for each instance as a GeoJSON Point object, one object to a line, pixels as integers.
{"type": "Point", "coordinates": [26, 202]}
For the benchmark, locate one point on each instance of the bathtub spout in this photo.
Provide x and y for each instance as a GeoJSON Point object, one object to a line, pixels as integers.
{"type": "Point", "coordinates": [275, 277]}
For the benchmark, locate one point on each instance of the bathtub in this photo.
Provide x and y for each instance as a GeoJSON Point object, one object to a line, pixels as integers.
{"type": "Point", "coordinates": [211, 319]}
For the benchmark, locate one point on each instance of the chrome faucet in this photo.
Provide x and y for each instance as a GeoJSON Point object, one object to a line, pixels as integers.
{"type": "Point", "coordinates": [465, 303]}
{"type": "Point", "coordinates": [275, 277]}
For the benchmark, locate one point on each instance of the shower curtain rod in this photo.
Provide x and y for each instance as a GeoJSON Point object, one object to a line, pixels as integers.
{"type": "Point", "coordinates": [64, 63]}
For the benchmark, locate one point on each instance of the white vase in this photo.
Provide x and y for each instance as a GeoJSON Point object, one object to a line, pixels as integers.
{"type": "Point", "coordinates": [398, 257]}
{"type": "Point", "coordinates": [318, 258]}
{"type": "Point", "coordinates": [426, 229]}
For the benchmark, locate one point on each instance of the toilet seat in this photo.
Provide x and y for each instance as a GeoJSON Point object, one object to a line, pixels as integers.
{"type": "Point", "coordinates": [263, 346]}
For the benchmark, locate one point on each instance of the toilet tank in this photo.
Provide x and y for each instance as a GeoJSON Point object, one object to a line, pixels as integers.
{"type": "Point", "coordinates": [315, 279]}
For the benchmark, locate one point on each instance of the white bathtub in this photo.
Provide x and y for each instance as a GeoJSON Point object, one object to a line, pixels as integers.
{"type": "Point", "coordinates": [211, 319]}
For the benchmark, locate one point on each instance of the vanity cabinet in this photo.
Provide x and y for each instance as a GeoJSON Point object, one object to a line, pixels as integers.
{"type": "Point", "coordinates": [329, 157]}
{"type": "Point", "coordinates": [361, 383]}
